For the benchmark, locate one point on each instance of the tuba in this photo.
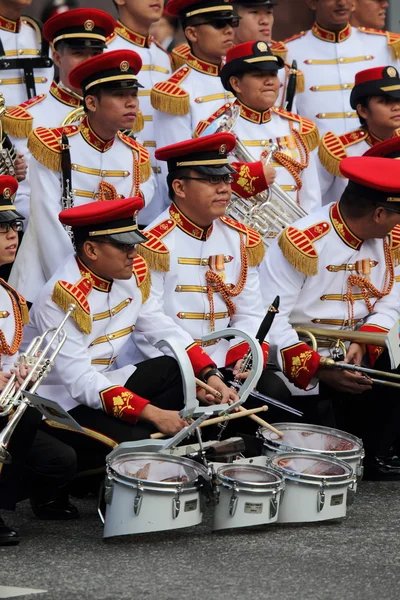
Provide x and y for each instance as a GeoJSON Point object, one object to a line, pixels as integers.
{"type": "Point", "coordinates": [270, 211]}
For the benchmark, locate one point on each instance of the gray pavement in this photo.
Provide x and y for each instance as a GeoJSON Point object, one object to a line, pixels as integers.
{"type": "Point", "coordinates": [356, 559]}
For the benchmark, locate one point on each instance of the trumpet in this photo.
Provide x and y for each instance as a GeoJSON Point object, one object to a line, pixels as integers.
{"type": "Point", "coordinates": [359, 337]}
{"type": "Point", "coordinates": [40, 357]}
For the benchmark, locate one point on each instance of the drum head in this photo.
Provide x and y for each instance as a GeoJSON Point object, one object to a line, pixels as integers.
{"type": "Point", "coordinates": [313, 438]}
{"type": "Point", "coordinates": [309, 465]}
{"type": "Point", "coordinates": [155, 470]}
{"type": "Point", "coordinates": [252, 475]}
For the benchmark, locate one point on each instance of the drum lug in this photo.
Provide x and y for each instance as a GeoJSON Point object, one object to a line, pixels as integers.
{"type": "Point", "coordinates": [108, 492]}
{"type": "Point", "coordinates": [137, 505]}
{"type": "Point", "coordinates": [321, 498]}
{"type": "Point", "coordinates": [273, 505]}
{"type": "Point", "coordinates": [233, 502]}
{"type": "Point", "coordinates": [176, 503]}
{"type": "Point", "coordinates": [360, 471]}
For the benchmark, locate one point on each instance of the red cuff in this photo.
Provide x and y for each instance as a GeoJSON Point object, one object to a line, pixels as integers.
{"type": "Point", "coordinates": [373, 352]}
{"type": "Point", "coordinates": [250, 180]}
{"type": "Point", "coordinates": [123, 404]}
{"type": "Point", "coordinates": [199, 358]}
{"type": "Point", "coordinates": [300, 364]}
{"type": "Point", "coordinates": [240, 350]}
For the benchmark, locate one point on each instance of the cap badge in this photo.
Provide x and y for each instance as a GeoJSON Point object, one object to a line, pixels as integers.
{"type": "Point", "coordinates": [222, 149]}
{"type": "Point", "coordinates": [124, 66]}
{"type": "Point", "coordinates": [262, 47]}
{"type": "Point", "coordinates": [89, 25]}
{"type": "Point", "coordinates": [6, 193]}
{"type": "Point", "coordinates": [391, 72]}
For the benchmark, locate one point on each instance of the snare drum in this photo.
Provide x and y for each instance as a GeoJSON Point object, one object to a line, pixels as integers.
{"type": "Point", "coordinates": [316, 487]}
{"type": "Point", "coordinates": [151, 492]}
{"type": "Point", "coordinates": [247, 495]}
{"type": "Point", "coordinates": [302, 437]}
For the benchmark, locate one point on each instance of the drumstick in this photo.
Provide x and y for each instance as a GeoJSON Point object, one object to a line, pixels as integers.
{"type": "Point", "coordinates": [263, 423]}
{"type": "Point", "coordinates": [208, 388]}
{"type": "Point", "coordinates": [216, 420]}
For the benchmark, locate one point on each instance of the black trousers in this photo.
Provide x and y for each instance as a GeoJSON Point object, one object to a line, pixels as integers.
{"type": "Point", "coordinates": [158, 380]}
{"type": "Point", "coordinates": [40, 463]}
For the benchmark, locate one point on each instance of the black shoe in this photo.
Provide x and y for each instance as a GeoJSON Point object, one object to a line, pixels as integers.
{"type": "Point", "coordinates": [382, 468]}
{"type": "Point", "coordinates": [8, 537]}
{"type": "Point", "coordinates": [59, 509]}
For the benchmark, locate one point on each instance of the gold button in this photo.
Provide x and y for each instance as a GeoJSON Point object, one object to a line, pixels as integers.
{"type": "Point", "coordinates": [207, 316]}
{"type": "Point", "coordinates": [112, 312]}
{"type": "Point", "coordinates": [1, 81]}
{"type": "Point", "coordinates": [348, 114]}
{"type": "Point", "coordinates": [126, 173]}
{"type": "Point", "coordinates": [345, 86]}
{"type": "Point", "coordinates": [323, 115]}
{"type": "Point", "coordinates": [43, 79]}
{"type": "Point", "coordinates": [340, 60]}
{"type": "Point", "coordinates": [369, 57]}
{"type": "Point", "coordinates": [74, 167]}
{"type": "Point", "coordinates": [103, 173]}
{"type": "Point", "coordinates": [178, 288]}
{"type": "Point", "coordinates": [182, 315]}
{"type": "Point", "coordinates": [199, 99]}
{"type": "Point", "coordinates": [20, 52]}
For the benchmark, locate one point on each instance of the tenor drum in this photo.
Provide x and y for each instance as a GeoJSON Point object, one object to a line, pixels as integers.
{"type": "Point", "coordinates": [316, 487]}
{"type": "Point", "coordinates": [147, 492]}
{"type": "Point", "coordinates": [247, 495]}
{"type": "Point", "coordinates": [302, 437]}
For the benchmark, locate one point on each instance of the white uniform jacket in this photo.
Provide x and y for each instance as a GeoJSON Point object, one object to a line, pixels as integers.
{"type": "Point", "coordinates": [23, 39]}
{"type": "Point", "coordinates": [13, 316]}
{"type": "Point", "coordinates": [297, 139]}
{"type": "Point", "coordinates": [310, 267]}
{"type": "Point", "coordinates": [156, 67]}
{"type": "Point", "coordinates": [332, 150]}
{"type": "Point", "coordinates": [330, 62]}
{"type": "Point", "coordinates": [100, 169]}
{"type": "Point", "coordinates": [181, 254]}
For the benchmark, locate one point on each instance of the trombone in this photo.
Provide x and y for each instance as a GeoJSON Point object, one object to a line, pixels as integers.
{"type": "Point", "coordinates": [360, 337]}
{"type": "Point", "coordinates": [40, 358]}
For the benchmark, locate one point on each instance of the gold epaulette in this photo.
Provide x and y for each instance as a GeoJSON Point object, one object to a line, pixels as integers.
{"type": "Point", "coordinates": [279, 49]}
{"type": "Point", "coordinates": [167, 96]}
{"type": "Point", "coordinates": [45, 144]}
{"type": "Point", "coordinates": [254, 244]}
{"type": "Point", "coordinates": [179, 55]}
{"type": "Point", "coordinates": [18, 121]}
{"type": "Point", "coordinates": [393, 39]}
{"type": "Point", "coordinates": [66, 293]}
{"type": "Point", "coordinates": [143, 155]}
{"type": "Point", "coordinates": [202, 125]}
{"type": "Point", "coordinates": [394, 244]}
{"type": "Point", "coordinates": [308, 129]}
{"type": "Point", "coordinates": [142, 275]}
{"type": "Point", "coordinates": [332, 148]}
{"type": "Point", "coordinates": [298, 248]}
{"type": "Point", "coordinates": [296, 36]}
{"type": "Point", "coordinates": [111, 38]}
{"type": "Point", "coordinates": [154, 251]}
{"type": "Point", "coordinates": [23, 307]}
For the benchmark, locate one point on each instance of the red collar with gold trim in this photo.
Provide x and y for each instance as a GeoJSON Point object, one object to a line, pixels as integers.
{"type": "Point", "coordinates": [202, 66]}
{"type": "Point", "coordinates": [254, 115]}
{"type": "Point", "coordinates": [331, 36]}
{"type": "Point", "coordinates": [188, 226]}
{"type": "Point", "coordinates": [9, 25]}
{"type": "Point", "coordinates": [138, 39]}
{"type": "Point", "coordinates": [98, 283]}
{"type": "Point", "coordinates": [343, 231]}
{"type": "Point", "coordinates": [92, 138]}
{"type": "Point", "coordinates": [65, 96]}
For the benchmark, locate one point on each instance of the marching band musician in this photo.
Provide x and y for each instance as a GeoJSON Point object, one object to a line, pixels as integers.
{"type": "Point", "coordinates": [369, 13]}
{"type": "Point", "coordinates": [21, 40]}
{"type": "Point", "coordinates": [75, 36]}
{"type": "Point", "coordinates": [376, 98]}
{"type": "Point", "coordinates": [40, 464]}
{"type": "Point", "coordinates": [335, 269]}
{"type": "Point", "coordinates": [109, 284]}
{"type": "Point", "coordinates": [204, 264]}
{"type": "Point", "coordinates": [132, 33]}
{"type": "Point", "coordinates": [79, 163]}
{"type": "Point", "coordinates": [330, 54]}
{"type": "Point", "coordinates": [251, 74]}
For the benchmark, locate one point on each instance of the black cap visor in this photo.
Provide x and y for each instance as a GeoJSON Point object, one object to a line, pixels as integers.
{"type": "Point", "coordinates": [6, 216]}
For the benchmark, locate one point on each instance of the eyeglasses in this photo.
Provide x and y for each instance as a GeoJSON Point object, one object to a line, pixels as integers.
{"type": "Point", "coordinates": [125, 248]}
{"type": "Point", "coordinates": [15, 225]}
{"type": "Point", "coordinates": [220, 23]}
{"type": "Point", "coordinates": [213, 179]}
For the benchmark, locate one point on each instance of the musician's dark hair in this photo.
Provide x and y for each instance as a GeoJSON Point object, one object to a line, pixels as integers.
{"type": "Point", "coordinates": [355, 205]}
{"type": "Point", "coordinates": [365, 104]}
{"type": "Point", "coordinates": [177, 174]}
{"type": "Point", "coordinates": [188, 23]}
{"type": "Point", "coordinates": [95, 91]}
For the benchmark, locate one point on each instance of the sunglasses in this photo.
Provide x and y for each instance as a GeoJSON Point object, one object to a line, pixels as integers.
{"type": "Point", "coordinates": [214, 179]}
{"type": "Point", "coordinates": [220, 23]}
{"type": "Point", "coordinates": [125, 248]}
{"type": "Point", "coordinates": [14, 225]}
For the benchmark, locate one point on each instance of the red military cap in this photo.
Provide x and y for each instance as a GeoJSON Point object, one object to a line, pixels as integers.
{"type": "Point", "coordinates": [379, 81]}
{"type": "Point", "coordinates": [206, 154]}
{"type": "Point", "coordinates": [114, 69]}
{"type": "Point", "coordinates": [211, 9]}
{"type": "Point", "coordinates": [115, 219]}
{"type": "Point", "coordinates": [8, 187]}
{"type": "Point", "coordinates": [372, 177]}
{"type": "Point", "coordinates": [80, 27]}
{"type": "Point", "coordinates": [248, 57]}
{"type": "Point", "coordinates": [388, 148]}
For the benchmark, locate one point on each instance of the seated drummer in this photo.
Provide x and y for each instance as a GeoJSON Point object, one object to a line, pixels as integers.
{"type": "Point", "coordinates": [203, 263]}
{"type": "Point", "coordinates": [334, 269]}
{"type": "Point", "coordinates": [40, 464]}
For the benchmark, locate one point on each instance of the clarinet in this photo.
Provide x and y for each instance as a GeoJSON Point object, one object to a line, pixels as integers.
{"type": "Point", "coordinates": [291, 87]}
{"type": "Point", "coordinates": [67, 195]}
